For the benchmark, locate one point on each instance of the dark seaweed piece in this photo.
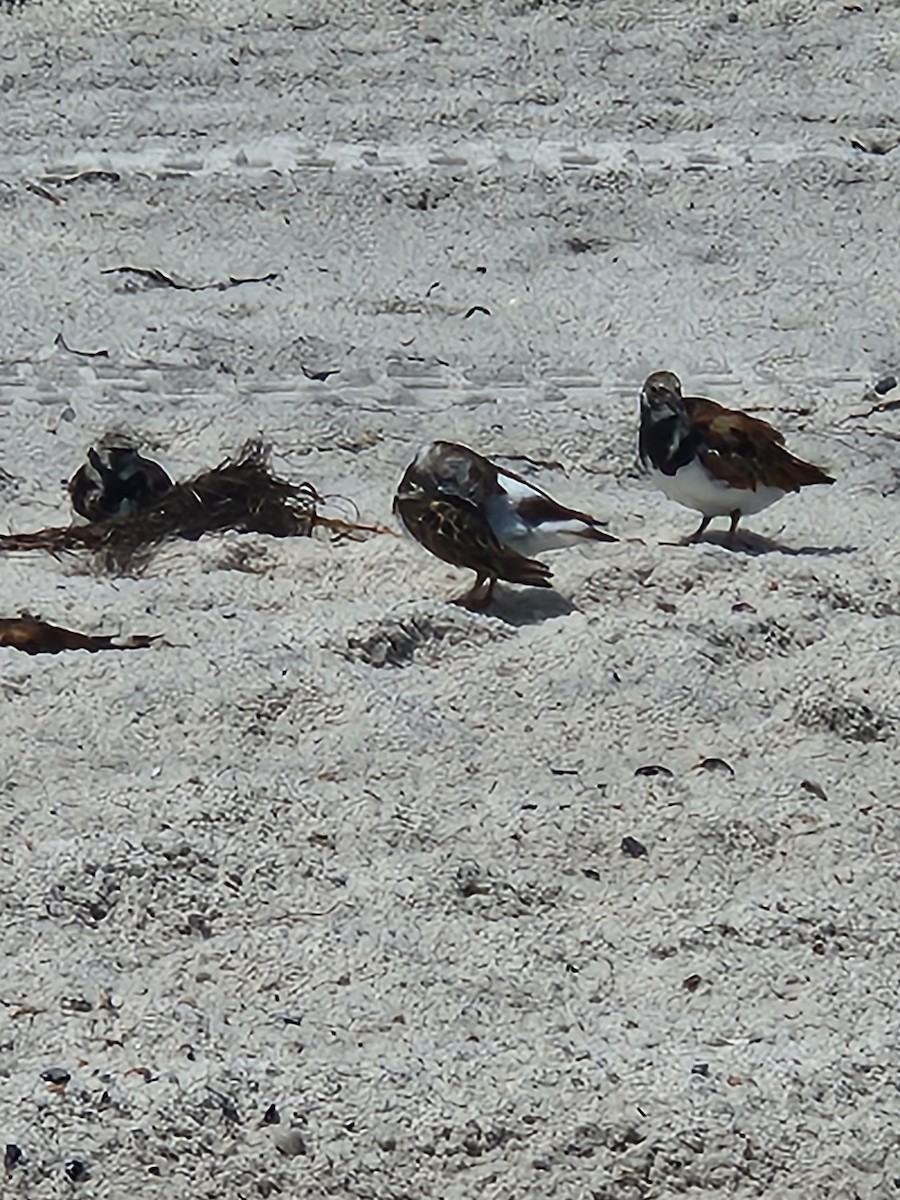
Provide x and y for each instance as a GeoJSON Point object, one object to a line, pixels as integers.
{"type": "Point", "coordinates": [37, 637]}
{"type": "Point", "coordinates": [633, 848]}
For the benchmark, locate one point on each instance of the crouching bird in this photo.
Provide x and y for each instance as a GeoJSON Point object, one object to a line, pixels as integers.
{"type": "Point", "coordinates": [472, 513]}
{"type": "Point", "coordinates": [715, 460]}
{"type": "Point", "coordinates": [116, 482]}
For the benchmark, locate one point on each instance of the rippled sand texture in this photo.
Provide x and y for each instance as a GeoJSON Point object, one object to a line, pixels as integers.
{"type": "Point", "coordinates": [324, 894]}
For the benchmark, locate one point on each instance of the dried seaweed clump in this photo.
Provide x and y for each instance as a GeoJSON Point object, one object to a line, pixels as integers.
{"type": "Point", "coordinates": [241, 494]}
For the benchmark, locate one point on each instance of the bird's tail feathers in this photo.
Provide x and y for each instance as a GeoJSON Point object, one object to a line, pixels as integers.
{"type": "Point", "coordinates": [593, 533]}
{"type": "Point", "coordinates": [515, 568]}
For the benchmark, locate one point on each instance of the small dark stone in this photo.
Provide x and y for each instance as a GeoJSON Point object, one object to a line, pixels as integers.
{"type": "Point", "coordinates": [76, 1170]}
{"type": "Point", "coordinates": [732, 18]}
{"type": "Point", "coordinates": [56, 1076]}
{"type": "Point", "coordinates": [886, 384]}
{"type": "Point", "coordinates": [197, 923]}
{"type": "Point", "coordinates": [700, 1069]}
{"type": "Point", "coordinates": [654, 769]}
{"type": "Point", "coordinates": [78, 1004]}
{"type": "Point", "coordinates": [813, 788]}
{"type": "Point", "coordinates": [691, 983]}
{"type": "Point", "coordinates": [12, 1156]}
{"type": "Point", "coordinates": [633, 848]}
{"type": "Point", "coordinates": [271, 1116]}
{"type": "Point", "coordinates": [715, 764]}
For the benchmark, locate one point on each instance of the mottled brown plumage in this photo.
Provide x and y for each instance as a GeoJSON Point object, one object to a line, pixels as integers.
{"type": "Point", "coordinates": [745, 451]}
{"type": "Point", "coordinates": [471, 513]}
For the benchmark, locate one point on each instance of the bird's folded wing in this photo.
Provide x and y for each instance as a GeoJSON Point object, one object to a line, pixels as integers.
{"type": "Point", "coordinates": [457, 532]}
{"type": "Point", "coordinates": [743, 451]}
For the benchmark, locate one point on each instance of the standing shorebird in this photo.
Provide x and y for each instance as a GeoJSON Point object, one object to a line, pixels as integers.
{"type": "Point", "coordinates": [116, 482]}
{"type": "Point", "coordinates": [469, 512]}
{"type": "Point", "coordinates": [715, 460]}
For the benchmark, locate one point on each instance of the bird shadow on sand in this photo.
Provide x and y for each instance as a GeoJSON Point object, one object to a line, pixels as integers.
{"type": "Point", "coordinates": [755, 544]}
{"type": "Point", "coordinates": [529, 607]}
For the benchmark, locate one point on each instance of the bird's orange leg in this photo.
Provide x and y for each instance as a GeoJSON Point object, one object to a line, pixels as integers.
{"type": "Point", "coordinates": [478, 597]}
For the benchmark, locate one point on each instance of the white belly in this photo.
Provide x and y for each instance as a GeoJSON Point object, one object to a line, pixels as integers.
{"type": "Point", "coordinates": [694, 487]}
{"type": "Point", "coordinates": [510, 530]}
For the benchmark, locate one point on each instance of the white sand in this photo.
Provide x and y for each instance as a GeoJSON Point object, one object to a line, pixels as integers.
{"type": "Point", "coordinates": [334, 845]}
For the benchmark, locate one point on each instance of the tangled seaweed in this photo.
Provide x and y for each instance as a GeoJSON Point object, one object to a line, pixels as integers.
{"type": "Point", "coordinates": [241, 494]}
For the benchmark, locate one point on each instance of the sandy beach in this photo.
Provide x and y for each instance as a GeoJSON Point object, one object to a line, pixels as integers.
{"type": "Point", "coordinates": [324, 894]}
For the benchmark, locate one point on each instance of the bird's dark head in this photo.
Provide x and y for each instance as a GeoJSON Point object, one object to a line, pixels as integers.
{"type": "Point", "coordinates": [121, 457]}
{"type": "Point", "coordinates": [661, 395]}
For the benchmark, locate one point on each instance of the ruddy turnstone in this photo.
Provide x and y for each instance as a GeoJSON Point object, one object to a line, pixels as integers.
{"type": "Point", "coordinates": [715, 460]}
{"type": "Point", "coordinates": [469, 512]}
{"type": "Point", "coordinates": [116, 482]}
